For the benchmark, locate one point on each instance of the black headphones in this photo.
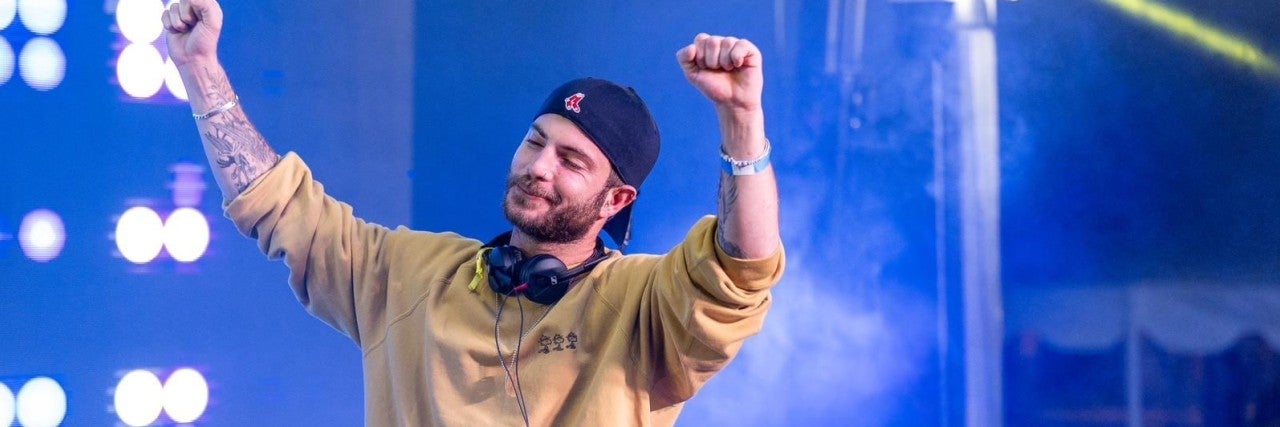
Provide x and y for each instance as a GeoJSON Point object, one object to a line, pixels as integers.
{"type": "Point", "coordinates": [541, 278]}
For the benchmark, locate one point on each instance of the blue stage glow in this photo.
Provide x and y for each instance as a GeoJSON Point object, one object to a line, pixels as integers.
{"type": "Point", "coordinates": [186, 234]}
{"type": "Point", "coordinates": [43, 17]}
{"type": "Point", "coordinates": [42, 235]}
{"type": "Point", "coordinates": [42, 64]}
{"type": "Point", "coordinates": [139, 234]}
{"type": "Point", "coordinates": [41, 403]}
{"type": "Point", "coordinates": [188, 184]}
{"type": "Point", "coordinates": [139, 398]}
{"type": "Point", "coordinates": [140, 70]}
{"type": "Point", "coordinates": [186, 395]}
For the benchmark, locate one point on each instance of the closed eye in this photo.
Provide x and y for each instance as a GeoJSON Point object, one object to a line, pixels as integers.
{"type": "Point", "coordinates": [575, 158]}
{"type": "Point", "coordinates": [573, 164]}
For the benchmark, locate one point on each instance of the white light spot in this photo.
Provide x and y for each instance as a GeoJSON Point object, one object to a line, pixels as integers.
{"type": "Point", "coordinates": [186, 395]}
{"type": "Point", "coordinates": [186, 234]}
{"type": "Point", "coordinates": [42, 235]}
{"type": "Point", "coordinates": [139, 234]}
{"type": "Point", "coordinates": [42, 64]}
{"type": "Point", "coordinates": [139, 20]}
{"type": "Point", "coordinates": [172, 80]}
{"type": "Point", "coordinates": [139, 398]}
{"type": "Point", "coordinates": [41, 403]}
{"type": "Point", "coordinates": [8, 8]}
{"type": "Point", "coordinates": [6, 60]}
{"type": "Point", "coordinates": [43, 17]}
{"type": "Point", "coordinates": [140, 70]}
{"type": "Point", "coordinates": [6, 398]}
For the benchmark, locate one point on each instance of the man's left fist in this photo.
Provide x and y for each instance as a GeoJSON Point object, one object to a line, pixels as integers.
{"type": "Point", "coordinates": [727, 70]}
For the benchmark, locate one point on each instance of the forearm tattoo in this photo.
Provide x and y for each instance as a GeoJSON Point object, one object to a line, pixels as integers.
{"type": "Point", "coordinates": [237, 145]}
{"type": "Point", "coordinates": [728, 207]}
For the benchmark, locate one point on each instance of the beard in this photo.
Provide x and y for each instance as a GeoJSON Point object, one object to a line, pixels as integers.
{"type": "Point", "coordinates": [563, 222]}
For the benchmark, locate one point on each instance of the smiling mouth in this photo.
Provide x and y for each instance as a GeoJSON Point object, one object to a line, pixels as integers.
{"type": "Point", "coordinates": [531, 195]}
{"type": "Point", "coordinates": [528, 193]}
{"type": "Point", "coordinates": [526, 188]}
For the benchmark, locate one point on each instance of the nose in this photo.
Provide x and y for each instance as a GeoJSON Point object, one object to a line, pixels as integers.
{"type": "Point", "coordinates": [543, 164]}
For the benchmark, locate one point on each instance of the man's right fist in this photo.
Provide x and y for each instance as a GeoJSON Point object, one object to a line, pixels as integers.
{"type": "Point", "coordinates": [192, 28]}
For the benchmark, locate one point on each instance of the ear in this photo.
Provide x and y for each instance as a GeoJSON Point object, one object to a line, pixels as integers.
{"type": "Point", "coordinates": [616, 199]}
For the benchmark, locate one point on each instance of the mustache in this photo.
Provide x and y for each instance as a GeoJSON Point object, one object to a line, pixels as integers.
{"type": "Point", "coordinates": [525, 182]}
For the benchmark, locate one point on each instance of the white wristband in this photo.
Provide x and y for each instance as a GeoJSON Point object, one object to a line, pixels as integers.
{"type": "Point", "coordinates": [754, 166]}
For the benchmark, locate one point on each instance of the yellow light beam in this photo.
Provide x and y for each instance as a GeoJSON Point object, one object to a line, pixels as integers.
{"type": "Point", "coordinates": [1236, 49]}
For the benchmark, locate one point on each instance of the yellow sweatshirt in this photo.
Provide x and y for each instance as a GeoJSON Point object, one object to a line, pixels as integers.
{"type": "Point", "coordinates": [628, 344]}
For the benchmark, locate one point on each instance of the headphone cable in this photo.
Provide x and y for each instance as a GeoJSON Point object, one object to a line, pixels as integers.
{"type": "Point", "coordinates": [515, 360]}
{"type": "Point", "coordinates": [497, 332]}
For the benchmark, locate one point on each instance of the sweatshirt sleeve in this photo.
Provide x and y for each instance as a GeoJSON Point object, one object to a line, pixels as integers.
{"type": "Point", "coordinates": [334, 258]}
{"type": "Point", "coordinates": [704, 304]}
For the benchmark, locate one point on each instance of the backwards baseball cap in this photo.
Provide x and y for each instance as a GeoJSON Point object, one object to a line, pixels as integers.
{"type": "Point", "coordinates": [616, 119]}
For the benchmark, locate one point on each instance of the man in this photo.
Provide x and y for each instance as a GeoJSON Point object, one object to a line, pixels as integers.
{"type": "Point", "coordinates": [457, 332]}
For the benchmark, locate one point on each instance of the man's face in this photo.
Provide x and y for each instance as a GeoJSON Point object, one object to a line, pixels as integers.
{"type": "Point", "coordinates": [556, 188]}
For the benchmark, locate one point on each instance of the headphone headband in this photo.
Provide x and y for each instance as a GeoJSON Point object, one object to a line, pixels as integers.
{"type": "Point", "coordinates": [542, 278]}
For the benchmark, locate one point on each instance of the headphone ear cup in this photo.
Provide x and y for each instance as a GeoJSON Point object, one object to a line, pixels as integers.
{"type": "Point", "coordinates": [545, 275]}
{"type": "Point", "coordinates": [503, 261]}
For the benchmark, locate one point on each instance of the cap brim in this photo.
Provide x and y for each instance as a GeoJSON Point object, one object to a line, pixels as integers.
{"type": "Point", "coordinates": [619, 227]}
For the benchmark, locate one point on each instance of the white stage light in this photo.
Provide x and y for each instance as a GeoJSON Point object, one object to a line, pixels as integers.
{"type": "Point", "coordinates": [139, 398]}
{"type": "Point", "coordinates": [41, 403]}
{"type": "Point", "coordinates": [172, 80]}
{"type": "Point", "coordinates": [42, 64]}
{"type": "Point", "coordinates": [8, 8]}
{"type": "Point", "coordinates": [42, 235]}
{"type": "Point", "coordinates": [6, 398]}
{"type": "Point", "coordinates": [139, 234]}
{"type": "Point", "coordinates": [43, 17]}
{"type": "Point", "coordinates": [140, 70]}
{"type": "Point", "coordinates": [186, 395]}
{"type": "Point", "coordinates": [139, 20]}
{"type": "Point", "coordinates": [6, 60]}
{"type": "Point", "coordinates": [186, 234]}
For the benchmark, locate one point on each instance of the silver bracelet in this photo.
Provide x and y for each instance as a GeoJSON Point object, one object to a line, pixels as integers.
{"type": "Point", "coordinates": [219, 109]}
{"type": "Point", "coordinates": [754, 166]}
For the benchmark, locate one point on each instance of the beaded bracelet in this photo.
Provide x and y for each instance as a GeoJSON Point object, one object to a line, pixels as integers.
{"type": "Point", "coordinates": [737, 167]}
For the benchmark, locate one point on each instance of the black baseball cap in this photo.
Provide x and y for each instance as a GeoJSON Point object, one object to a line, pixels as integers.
{"type": "Point", "coordinates": [619, 123]}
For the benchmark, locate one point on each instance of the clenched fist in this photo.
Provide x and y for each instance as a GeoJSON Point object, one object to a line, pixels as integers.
{"type": "Point", "coordinates": [192, 28]}
{"type": "Point", "coordinates": [727, 70]}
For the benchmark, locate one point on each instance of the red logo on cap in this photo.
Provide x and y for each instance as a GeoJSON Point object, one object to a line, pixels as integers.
{"type": "Point", "coordinates": [571, 103]}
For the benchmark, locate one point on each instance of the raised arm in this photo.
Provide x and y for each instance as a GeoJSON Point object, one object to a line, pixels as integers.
{"type": "Point", "coordinates": [727, 70]}
{"type": "Point", "coordinates": [237, 153]}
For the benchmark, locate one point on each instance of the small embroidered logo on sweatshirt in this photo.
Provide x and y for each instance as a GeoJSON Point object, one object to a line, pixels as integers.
{"type": "Point", "coordinates": [557, 342]}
